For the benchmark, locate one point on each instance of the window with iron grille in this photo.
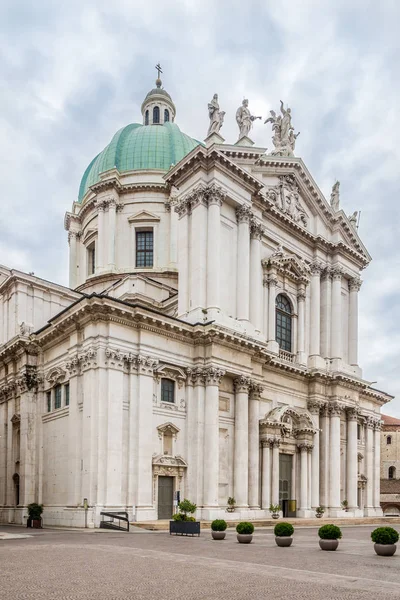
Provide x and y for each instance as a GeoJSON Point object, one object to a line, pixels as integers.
{"type": "Point", "coordinates": [167, 390]}
{"type": "Point", "coordinates": [144, 248]}
{"type": "Point", "coordinates": [166, 116]}
{"type": "Point", "coordinates": [283, 323]}
{"type": "Point", "coordinates": [57, 396]}
{"type": "Point", "coordinates": [48, 400]}
{"type": "Point", "coordinates": [66, 392]}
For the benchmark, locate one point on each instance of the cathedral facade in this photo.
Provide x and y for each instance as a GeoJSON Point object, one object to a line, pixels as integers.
{"type": "Point", "coordinates": [206, 346]}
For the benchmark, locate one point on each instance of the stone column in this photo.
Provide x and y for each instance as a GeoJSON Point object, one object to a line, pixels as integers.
{"type": "Point", "coordinates": [241, 445]}
{"type": "Point", "coordinates": [326, 309]}
{"type": "Point", "coordinates": [301, 311]}
{"type": "Point", "coordinates": [377, 468]}
{"type": "Point", "coordinates": [100, 258]}
{"type": "Point", "coordinates": [73, 258]}
{"type": "Point", "coordinates": [198, 249]}
{"type": "Point", "coordinates": [254, 445]}
{"type": "Point", "coordinates": [256, 288]}
{"type": "Point", "coordinates": [173, 237]}
{"type": "Point", "coordinates": [275, 472]}
{"type": "Point", "coordinates": [294, 473]}
{"type": "Point", "coordinates": [334, 457]}
{"type": "Point", "coordinates": [272, 283]}
{"type": "Point", "coordinates": [183, 209]}
{"type": "Point", "coordinates": [314, 408]}
{"type": "Point", "coordinates": [336, 331]}
{"type": "Point", "coordinates": [74, 433]}
{"type": "Point", "coordinates": [303, 448]}
{"type": "Point", "coordinates": [144, 507]}
{"type": "Point", "coordinates": [324, 456]}
{"type": "Point", "coordinates": [315, 335]}
{"type": "Point", "coordinates": [352, 459]}
{"type": "Point", "coordinates": [112, 207]}
{"type": "Point", "coordinates": [211, 437]}
{"type": "Point", "coordinates": [354, 288]}
{"type": "Point", "coordinates": [369, 451]}
{"type": "Point", "coordinates": [266, 474]}
{"type": "Point", "coordinates": [243, 216]}
{"type": "Point", "coordinates": [198, 378]}
{"type": "Point", "coordinates": [215, 199]}
{"type": "Point", "coordinates": [28, 383]}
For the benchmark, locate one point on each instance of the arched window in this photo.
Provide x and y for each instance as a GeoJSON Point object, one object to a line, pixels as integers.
{"type": "Point", "coordinates": [156, 114]}
{"type": "Point", "coordinates": [392, 472]}
{"type": "Point", "coordinates": [283, 323]}
{"type": "Point", "coordinates": [146, 117]}
{"type": "Point", "coordinates": [389, 440]}
{"type": "Point", "coordinates": [166, 116]}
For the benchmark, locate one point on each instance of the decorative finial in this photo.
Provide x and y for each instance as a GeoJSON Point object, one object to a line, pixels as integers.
{"type": "Point", "coordinates": [159, 70]}
{"type": "Point", "coordinates": [284, 138]}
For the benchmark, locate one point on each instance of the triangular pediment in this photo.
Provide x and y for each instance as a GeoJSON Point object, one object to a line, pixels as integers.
{"type": "Point", "coordinates": [288, 265]}
{"type": "Point", "coordinates": [143, 216]}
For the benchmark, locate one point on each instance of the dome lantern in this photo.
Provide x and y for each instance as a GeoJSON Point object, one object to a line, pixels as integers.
{"type": "Point", "coordinates": [157, 107]}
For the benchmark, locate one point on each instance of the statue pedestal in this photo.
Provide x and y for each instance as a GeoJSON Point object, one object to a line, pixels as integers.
{"type": "Point", "coordinates": [213, 138]}
{"type": "Point", "coordinates": [244, 141]}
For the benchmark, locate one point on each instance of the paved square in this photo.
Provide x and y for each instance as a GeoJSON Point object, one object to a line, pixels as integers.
{"type": "Point", "coordinates": [60, 564]}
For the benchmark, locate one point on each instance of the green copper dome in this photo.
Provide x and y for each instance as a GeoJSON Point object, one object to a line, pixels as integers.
{"type": "Point", "coordinates": [139, 147]}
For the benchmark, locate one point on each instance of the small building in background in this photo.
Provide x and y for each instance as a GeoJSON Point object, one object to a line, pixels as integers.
{"type": "Point", "coordinates": [390, 466]}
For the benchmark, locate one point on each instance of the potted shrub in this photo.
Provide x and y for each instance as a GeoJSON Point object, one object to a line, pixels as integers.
{"type": "Point", "coordinates": [283, 534]}
{"type": "Point", "coordinates": [385, 539]}
{"type": "Point", "coordinates": [244, 532]}
{"type": "Point", "coordinates": [319, 511]}
{"type": "Point", "coordinates": [218, 527]}
{"type": "Point", "coordinates": [274, 510]}
{"type": "Point", "coordinates": [329, 536]}
{"type": "Point", "coordinates": [231, 504]}
{"type": "Point", "coordinates": [183, 523]}
{"type": "Point", "coordinates": [345, 505]}
{"type": "Point", "coordinates": [35, 515]}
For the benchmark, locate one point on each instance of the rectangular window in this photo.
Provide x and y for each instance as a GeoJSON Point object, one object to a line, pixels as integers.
{"type": "Point", "coordinates": [57, 396]}
{"type": "Point", "coordinates": [358, 431]}
{"type": "Point", "coordinates": [144, 248]}
{"type": "Point", "coordinates": [48, 400]}
{"type": "Point", "coordinates": [167, 390]}
{"type": "Point", "coordinates": [66, 392]}
{"type": "Point", "coordinates": [91, 258]}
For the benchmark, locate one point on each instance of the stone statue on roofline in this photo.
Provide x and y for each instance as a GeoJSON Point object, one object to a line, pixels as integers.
{"type": "Point", "coordinates": [353, 219]}
{"type": "Point", "coordinates": [244, 119]}
{"type": "Point", "coordinates": [284, 137]}
{"type": "Point", "coordinates": [335, 199]}
{"type": "Point", "coordinates": [215, 115]}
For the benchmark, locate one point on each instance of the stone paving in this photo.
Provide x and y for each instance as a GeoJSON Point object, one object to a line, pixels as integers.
{"type": "Point", "coordinates": [79, 565]}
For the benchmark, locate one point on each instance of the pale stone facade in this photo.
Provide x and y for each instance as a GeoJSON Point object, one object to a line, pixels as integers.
{"type": "Point", "coordinates": [390, 466]}
{"type": "Point", "coordinates": [263, 405]}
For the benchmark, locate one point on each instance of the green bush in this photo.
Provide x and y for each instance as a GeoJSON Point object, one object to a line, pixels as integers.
{"type": "Point", "coordinates": [245, 528]}
{"type": "Point", "coordinates": [219, 525]}
{"type": "Point", "coordinates": [329, 532]}
{"type": "Point", "coordinates": [182, 517]}
{"type": "Point", "coordinates": [385, 535]}
{"type": "Point", "coordinates": [185, 508]}
{"type": "Point", "coordinates": [35, 510]}
{"type": "Point", "coordinates": [274, 508]}
{"type": "Point", "coordinates": [231, 501]}
{"type": "Point", "coordinates": [283, 530]}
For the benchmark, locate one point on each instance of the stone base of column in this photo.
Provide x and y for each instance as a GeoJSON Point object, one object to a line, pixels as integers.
{"type": "Point", "coordinates": [145, 513]}
{"type": "Point", "coordinates": [273, 346]}
{"type": "Point", "coordinates": [378, 511]}
{"type": "Point", "coordinates": [302, 358]}
{"type": "Point", "coordinates": [316, 362]}
{"type": "Point", "coordinates": [370, 511]}
{"type": "Point", "coordinates": [336, 364]}
{"type": "Point", "coordinates": [337, 513]}
{"type": "Point", "coordinates": [305, 513]}
{"type": "Point", "coordinates": [209, 513]}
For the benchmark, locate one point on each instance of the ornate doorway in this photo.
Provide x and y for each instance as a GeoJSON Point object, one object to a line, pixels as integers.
{"type": "Point", "coordinates": [285, 482]}
{"type": "Point", "coordinates": [165, 497]}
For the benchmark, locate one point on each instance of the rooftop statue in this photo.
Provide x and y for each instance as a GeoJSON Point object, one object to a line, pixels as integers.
{"type": "Point", "coordinates": [353, 219]}
{"type": "Point", "coordinates": [284, 138]}
{"type": "Point", "coordinates": [335, 200]}
{"type": "Point", "coordinates": [244, 119]}
{"type": "Point", "coordinates": [215, 115]}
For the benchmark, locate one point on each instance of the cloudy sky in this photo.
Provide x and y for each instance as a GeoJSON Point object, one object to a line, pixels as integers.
{"type": "Point", "coordinates": [73, 73]}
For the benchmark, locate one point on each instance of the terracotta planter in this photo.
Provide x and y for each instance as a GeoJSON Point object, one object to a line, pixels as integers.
{"type": "Point", "coordinates": [218, 535]}
{"type": "Point", "coordinates": [385, 549]}
{"type": "Point", "coordinates": [283, 541]}
{"type": "Point", "coordinates": [244, 538]}
{"type": "Point", "coordinates": [328, 544]}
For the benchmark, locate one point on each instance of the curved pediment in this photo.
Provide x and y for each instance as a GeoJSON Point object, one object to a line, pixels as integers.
{"type": "Point", "coordinates": [288, 265]}
{"type": "Point", "coordinates": [289, 419]}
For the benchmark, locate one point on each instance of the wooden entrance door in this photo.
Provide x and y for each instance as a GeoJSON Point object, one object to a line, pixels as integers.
{"type": "Point", "coordinates": [165, 497]}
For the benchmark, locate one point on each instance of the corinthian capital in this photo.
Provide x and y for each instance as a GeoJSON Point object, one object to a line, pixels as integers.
{"type": "Point", "coordinates": [243, 214]}
{"type": "Point", "coordinates": [256, 230]}
{"type": "Point", "coordinates": [242, 383]}
{"type": "Point", "coordinates": [215, 194]}
{"type": "Point", "coordinates": [355, 284]}
{"type": "Point", "coordinates": [197, 196]}
{"type": "Point", "coordinates": [316, 268]}
{"type": "Point", "coordinates": [213, 375]}
{"type": "Point", "coordinates": [337, 273]}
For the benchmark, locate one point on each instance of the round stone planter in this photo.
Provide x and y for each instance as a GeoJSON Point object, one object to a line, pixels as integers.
{"type": "Point", "coordinates": [318, 515]}
{"type": "Point", "coordinates": [275, 515]}
{"type": "Point", "coordinates": [385, 549]}
{"type": "Point", "coordinates": [244, 538]}
{"type": "Point", "coordinates": [218, 535]}
{"type": "Point", "coordinates": [283, 541]}
{"type": "Point", "coordinates": [328, 544]}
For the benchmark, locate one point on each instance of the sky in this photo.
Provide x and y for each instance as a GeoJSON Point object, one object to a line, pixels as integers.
{"type": "Point", "coordinates": [72, 74]}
